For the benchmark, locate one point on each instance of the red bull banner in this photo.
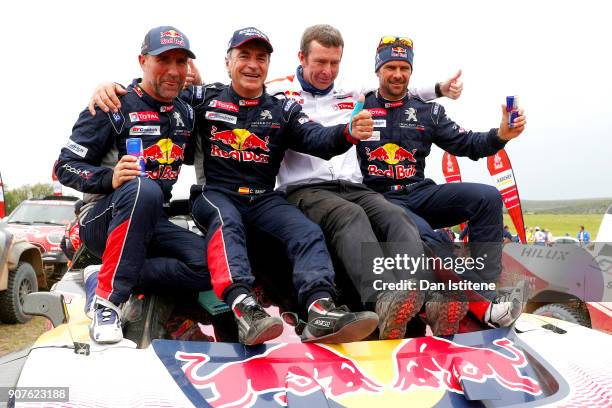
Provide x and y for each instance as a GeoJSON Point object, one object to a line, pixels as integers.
{"type": "Point", "coordinates": [452, 174]}
{"type": "Point", "coordinates": [500, 169]}
{"type": "Point", "coordinates": [426, 371]}
{"type": "Point", "coordinates": [2, 208]}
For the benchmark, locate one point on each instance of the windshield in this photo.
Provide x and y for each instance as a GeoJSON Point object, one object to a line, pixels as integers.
{"type": "Point", "coordinates": [35, 213]}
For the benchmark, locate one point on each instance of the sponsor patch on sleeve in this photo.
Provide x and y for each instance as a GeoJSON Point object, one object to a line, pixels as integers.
{"type": "Point", "coordinates": [76, 148]}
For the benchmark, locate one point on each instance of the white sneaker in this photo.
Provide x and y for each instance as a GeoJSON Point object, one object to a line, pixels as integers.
{"type": "Point", "coordinates": [90, 282]}
{"type": "Point", "coordinates": [506, 307]}
{"type": "Point", "coordinates": [106, 324]}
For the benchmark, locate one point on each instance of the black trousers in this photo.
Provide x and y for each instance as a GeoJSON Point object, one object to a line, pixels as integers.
{"type": "Point", "coordinates": [351, 214]}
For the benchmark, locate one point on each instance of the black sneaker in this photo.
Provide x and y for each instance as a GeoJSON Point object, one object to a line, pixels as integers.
{"type": "Point", "coordinates": [330, 324]}
{"type": "Point", "coordinates": [395, 309]}
{"type": "Point", "coordinates": [255, 326]}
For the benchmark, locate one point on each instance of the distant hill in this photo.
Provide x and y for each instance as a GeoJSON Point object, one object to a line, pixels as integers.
{"type": "Point", "coordinates": [583, 206]}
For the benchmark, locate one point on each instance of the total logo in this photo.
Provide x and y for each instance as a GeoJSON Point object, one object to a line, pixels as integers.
{"type": "Point", "coordinates": [423, 364]}
{"type": "Point", "coordinates": [391, 154]}
{"type": "Point", "coordinates": [144, 116]}
{"type": "Point", "coordinates": [240, 140]}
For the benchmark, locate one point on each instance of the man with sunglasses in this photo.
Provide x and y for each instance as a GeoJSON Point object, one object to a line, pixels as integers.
{"type": "Point", "coordinates": [394, 163]}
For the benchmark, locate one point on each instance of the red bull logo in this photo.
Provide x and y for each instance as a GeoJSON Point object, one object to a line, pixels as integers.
{"type": "Point", "coordinates": [171, 33]}
{"type": "Point", "coordinates": [238, 384]}
{"type": "Point", "coordinates": [165, 153]}
{"type": "Point", "coordinates": [399, 52]}
{"type": "Point", "coordinates": [171, 37]}
{"type": "Point", "coordinates": [439, 363]}
{"type": "Point", "coordinates": [240, 139]}
{"type": "Point", "coordinates": [391, 153]}
{"type": "Point", "coordinates": [420, 364]}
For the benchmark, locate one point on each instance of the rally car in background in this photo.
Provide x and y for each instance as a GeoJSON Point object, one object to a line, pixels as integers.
{"type": "Point", "coordinates": [43, 223]}
{"type": "Point", "coordinates": [21, 273]}
{"type": "Point", "coordinates": [567, 281]}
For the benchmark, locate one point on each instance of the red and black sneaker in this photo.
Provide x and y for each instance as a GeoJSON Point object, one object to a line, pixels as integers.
{"type": "Point", "coordinates": [445, 310]}
{"type": "Point", "coordinates": [328, 323]}
{"type": "Point", "coordinates": [395, 309]}
{"type": "Point", "coordinates": [184, 329]}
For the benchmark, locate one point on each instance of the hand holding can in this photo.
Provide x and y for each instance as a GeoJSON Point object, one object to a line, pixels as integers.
{"type": "Point", "coordinates": [512, 109]}
{"type": "Point", "coordinates": [133, 146]}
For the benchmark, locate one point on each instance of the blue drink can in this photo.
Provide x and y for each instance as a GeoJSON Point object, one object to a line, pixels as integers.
{"type": "Point", "coordinates": [513, 115]}
{"type": "Point", "coordinates": [511, 103]}
{"type": "Point", "coordinates": [133, 146]}
{"type": "Point", "coordinates": [512, 108]}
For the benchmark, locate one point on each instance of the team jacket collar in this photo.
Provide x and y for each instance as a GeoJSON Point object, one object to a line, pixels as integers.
{"type": "Point", "coordinates": [306, 86]}
{"type": "Point", "coordinates": [392, 104]}
{"type": "Point", "coordinates": [246, 101]}
{"type": "Point", "coordinates": [149, 100]}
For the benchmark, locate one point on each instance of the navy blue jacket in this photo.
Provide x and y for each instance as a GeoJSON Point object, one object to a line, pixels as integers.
{"type": "Point", "coordinates": [404, 131]}
{"type": "Point", "coordinates": [97, 142]}
{"type": "Point", "coordinates": [243, 141]}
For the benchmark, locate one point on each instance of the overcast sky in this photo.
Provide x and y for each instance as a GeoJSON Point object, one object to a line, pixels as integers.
{"type": "Point", "coordinates": [554, 54]}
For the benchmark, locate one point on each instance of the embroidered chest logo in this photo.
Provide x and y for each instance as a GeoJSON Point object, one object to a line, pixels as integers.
{"type": "Point", "coordinates": [242, 141]}
{"type": "Point", "coordinates": [411, 115]}
{"type": "Point", "coordinates": [178, 119]}
{"type": "Point", "coordinates": [392, 155]}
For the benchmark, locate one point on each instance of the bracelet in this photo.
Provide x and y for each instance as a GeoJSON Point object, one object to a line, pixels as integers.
{"type": "Point", "coordinates": [438, 90]}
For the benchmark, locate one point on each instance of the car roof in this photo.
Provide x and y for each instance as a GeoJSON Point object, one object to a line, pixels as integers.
{"type": "Point", "coordinates": [46, 201]}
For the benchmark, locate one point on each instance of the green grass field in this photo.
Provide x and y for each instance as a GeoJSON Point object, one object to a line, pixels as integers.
{"type": "Point", "coordinates": [559, 224]}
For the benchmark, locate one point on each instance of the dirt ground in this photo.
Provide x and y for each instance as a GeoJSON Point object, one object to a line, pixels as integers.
{"type": "Point", "coordinates": [15, 337]}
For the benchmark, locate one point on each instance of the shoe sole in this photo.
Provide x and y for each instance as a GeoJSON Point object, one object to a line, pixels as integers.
{"type": "Point", "coordinates": [269, 332]}
{"type": "Point", "coordinates": [452, 316]}
{"type": "Point", "coordinates": [353, 331]}
{"type": "Point", "coordinates": [91, 336]}
{"type": "Point", "coordinates": [394, 325]}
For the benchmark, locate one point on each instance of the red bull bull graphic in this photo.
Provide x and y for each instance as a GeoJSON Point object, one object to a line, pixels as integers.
{"type": "Point", "coordinates": [238, 384]}
{"type": "Point", "coordinates": [439, 363]}
{"type": "Point", "coordinates": [171, 37]}
{"type": "Point", "coordinates": [296, 96]}
{"type": "Point", "coordinates": [160, 157]}
{"type": "Point", "coordinates": [493, 367]}
{"type": "Point", "coordinates": [392, 154]}
{"type": "Point", "coordinates": [242, 141]}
